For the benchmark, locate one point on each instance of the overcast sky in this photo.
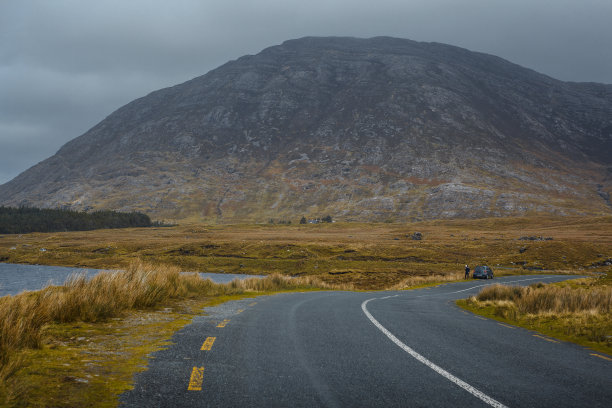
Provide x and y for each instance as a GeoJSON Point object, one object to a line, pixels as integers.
{"type": "Point", "coordinates": [67, 64]}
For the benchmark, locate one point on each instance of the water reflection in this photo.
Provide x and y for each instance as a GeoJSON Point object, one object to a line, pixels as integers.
{"type": "Point", "coordinates": [16, 278]}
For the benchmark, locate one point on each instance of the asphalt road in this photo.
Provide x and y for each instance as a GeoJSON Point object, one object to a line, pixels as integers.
{"type": "Point", "coordinates": [380, 349]}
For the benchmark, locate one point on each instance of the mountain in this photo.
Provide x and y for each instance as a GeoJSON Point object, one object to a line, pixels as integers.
{"type": "Point", "coordinates": [360, 129]}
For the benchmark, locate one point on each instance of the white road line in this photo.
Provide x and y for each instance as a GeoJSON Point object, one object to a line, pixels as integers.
{"type": "Point", "coordinates": [429, 364]}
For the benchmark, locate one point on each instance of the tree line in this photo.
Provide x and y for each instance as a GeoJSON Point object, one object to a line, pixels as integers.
{"type": "Point", "coordinates": [25, 219]}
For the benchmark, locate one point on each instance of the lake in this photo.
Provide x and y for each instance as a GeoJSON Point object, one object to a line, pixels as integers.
{"type": "Point", "coordinates": [15, 278]}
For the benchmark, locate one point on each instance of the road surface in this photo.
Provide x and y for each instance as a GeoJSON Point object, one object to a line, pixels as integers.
{"type": "Point", "coordinates": [379, 349]}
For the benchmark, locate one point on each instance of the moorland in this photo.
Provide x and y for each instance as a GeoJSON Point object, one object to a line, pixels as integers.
{"type": "Point", "coordinates": [368, 256]}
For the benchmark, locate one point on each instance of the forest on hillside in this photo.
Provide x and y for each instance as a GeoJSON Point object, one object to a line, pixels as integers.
{"type": "Point", "coordinates": [24, 220]}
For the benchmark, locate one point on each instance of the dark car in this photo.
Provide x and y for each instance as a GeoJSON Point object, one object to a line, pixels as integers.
{"type": "Point", "coordinates": [483, 272]}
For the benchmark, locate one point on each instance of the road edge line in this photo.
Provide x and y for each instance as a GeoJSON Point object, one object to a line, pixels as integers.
{"type": "Point", "coordinates": [467, 387]}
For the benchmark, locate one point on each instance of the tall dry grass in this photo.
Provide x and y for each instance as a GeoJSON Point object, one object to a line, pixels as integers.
{"type": "Point", "coordinates": [277, 282]}
{"type": "Point", "coordinates": [413, 281]}
{"type": "Point", "coordinates": [579, 314]}
{"type": "Point", "coordinates": [540, 298]}
{"type": "Point", "coordinates": [23, 317]}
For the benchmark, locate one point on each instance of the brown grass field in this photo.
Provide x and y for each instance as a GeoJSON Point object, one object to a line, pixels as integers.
{"type": "Point", "coordinates": [136, 311]}
{"type": "Point", "coordinates": [369, 256]}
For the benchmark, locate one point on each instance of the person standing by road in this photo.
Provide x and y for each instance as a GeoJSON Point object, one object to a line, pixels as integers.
{"type": "Point", "coordinates": [467, 272]}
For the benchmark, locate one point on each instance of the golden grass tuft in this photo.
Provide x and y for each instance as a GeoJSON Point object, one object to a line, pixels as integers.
{"type": "Point", "coordinates": [539, 298]}
{"type": "Point", "coordinates": [414, 281]}
{"type": "Point", "coordinates": [276, 282]}
{"type": "Point", "coordinates": [568, 312]}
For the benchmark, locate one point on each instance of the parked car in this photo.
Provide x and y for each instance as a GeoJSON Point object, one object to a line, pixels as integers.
{"type": "Point", "coordinates": [483, 272]}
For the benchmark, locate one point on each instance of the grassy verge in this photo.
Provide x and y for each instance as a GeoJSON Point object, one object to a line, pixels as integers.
{"type": "Point", "coordinates": [80, 344]}
{"type": "Point", "coordinates": [580, 312]}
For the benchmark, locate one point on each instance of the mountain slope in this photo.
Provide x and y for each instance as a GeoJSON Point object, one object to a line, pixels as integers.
{"type": "Point", "coordinates": [361, 129]}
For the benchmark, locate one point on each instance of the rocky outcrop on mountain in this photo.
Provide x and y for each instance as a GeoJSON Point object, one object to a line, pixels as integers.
{"type": "Point", "coordinates": [361, 129]}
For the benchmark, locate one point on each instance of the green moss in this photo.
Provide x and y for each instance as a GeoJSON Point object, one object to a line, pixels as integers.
{"type": "Point", "coordinates": [91, 364]}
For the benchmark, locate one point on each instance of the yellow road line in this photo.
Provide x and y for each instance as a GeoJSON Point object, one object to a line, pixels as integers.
{"type": "Point", "coordinates": [253, 304]}
{"type": "Point", "coordinates": [223, 323]}
{"type": "Point", "coordinates": [240, 311]}
{"type": "Point", "coordinates": [481, 318]}
{"type": "Point", "coordinates": [505, 325]}
{"type": "Point", "coordinates": [196, 380]}
{"type": "Point", "coordinates": [545, 338]}
{"type": "Point", "coordinates": [600, 356]}
{"type": "Point", "coordinates": [208, 343]}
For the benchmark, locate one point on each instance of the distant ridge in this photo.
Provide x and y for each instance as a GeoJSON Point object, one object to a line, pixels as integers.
{"type": "Point", "coordinates": [379, 129]}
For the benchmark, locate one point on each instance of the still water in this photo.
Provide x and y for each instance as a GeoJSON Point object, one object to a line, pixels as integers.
{"type": "Point", "coordinates": [17, 278]}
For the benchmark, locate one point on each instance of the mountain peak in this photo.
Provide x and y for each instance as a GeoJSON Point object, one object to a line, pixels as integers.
{"type": "Point", "coordinates": [361, 129]}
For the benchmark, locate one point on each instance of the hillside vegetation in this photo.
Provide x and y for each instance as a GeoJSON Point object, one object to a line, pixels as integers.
{"type": "Point", "coordinates": [366, 130]}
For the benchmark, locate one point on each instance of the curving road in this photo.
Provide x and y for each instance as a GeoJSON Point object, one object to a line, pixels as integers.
{"type": "Point", "coordinates": [344, 349]}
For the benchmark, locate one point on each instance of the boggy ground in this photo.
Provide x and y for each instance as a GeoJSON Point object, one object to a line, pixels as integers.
{"type": "Point", "coordinates": [368, 256]}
